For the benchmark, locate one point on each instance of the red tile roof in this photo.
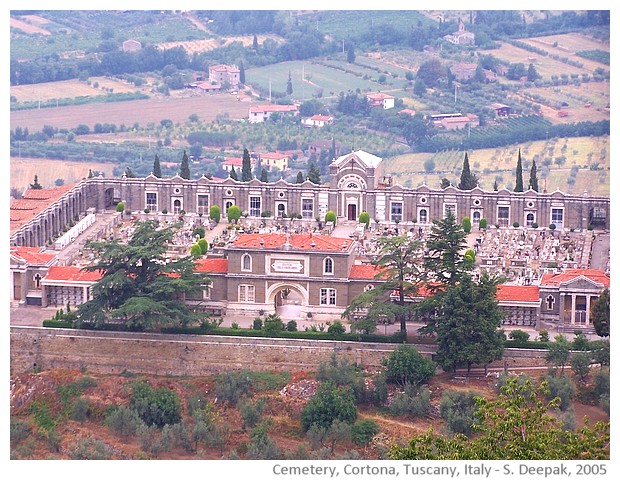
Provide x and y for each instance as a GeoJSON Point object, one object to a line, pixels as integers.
{"type": "Point", "coordinates": [555, 279]}
{"type": "Point", "coordinates": [363, 272]}
{"type": "Point", "coordinates": [33, 255]}
{"type": "Point", "coordinates": [517, 293]}
{"type": "Point", "coordinates": [72, 274]}
{"type": "Point", "coordinates": [33, 202]}
{"type": "Point", "coordinates": [300, 241]}
{"type": "Point", "coordinates": [212, 265]}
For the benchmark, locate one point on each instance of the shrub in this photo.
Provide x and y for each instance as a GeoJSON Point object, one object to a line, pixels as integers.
{"type": "Point", "coordinates": [457, 409]}
{"type": "Point", "coordinates": [90, 449]}
{"type": "Point", "coordinates": [515, 224]}
{"type": "Point", "coordinates": [195, 251]}
{"type": "Point", "coordinates": [200, 231]}
{"type": "Point", "coordinates": [466, 224]}
{"type": "Point", "coordinates": [291, 326]}
{"type": "Point", "coordinates": [257, 324]}
{"type": "Point", "coordinates": [363, 431]}
{"type": "Point", "coordinates": [19, 431]}
{"type": "Point", "coordinates": [273, 324]}
{"type": "Point", "coordinates": [233, 213]}
{"type": "Point", "coordinates": [231, 386]}
{"type": "Point", "coordinates": [561, 387]}
{"type": "Point", "coordinates": [364, 218]}
{"type": "Point", "coordinates": [81, 409]}
{"type": "Point", "coordinates": [483, 223]}
{"type": "Point", "coordinates": [204, 246]}
{"type": "Point", "coordinates": [406, 365]}
{"type": "Point", "coordinates": [214, 213]}
{"type": "Point", "coordinates": [330, 403]}
{"type": "Point", "coordinates": [251, 412]}
{"type": "Point", "coordinates": [330, 216]}
{"type": "Point", "coordinates": [543, 336]}
{"type": "Point", "coordinates": [123, 421]}
{"type": "Point", "coordinates": [157, 407]}
{"type": "Point", "coordinates": [336, 328]}
{"type": "Point", "coordinates": [413, 402]}
{"type": "Point", "coordinates": [519, 336]}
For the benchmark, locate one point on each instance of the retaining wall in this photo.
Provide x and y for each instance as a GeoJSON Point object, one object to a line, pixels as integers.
{"type": "Point", "coordinates": [38, 348]}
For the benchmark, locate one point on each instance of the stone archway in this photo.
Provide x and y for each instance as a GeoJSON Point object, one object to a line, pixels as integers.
{"type": "Point", "coordinates": [289, 300]}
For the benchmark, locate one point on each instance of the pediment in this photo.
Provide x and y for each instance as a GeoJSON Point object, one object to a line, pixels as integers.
{"type": "Point", "coordinates": [581, 283]}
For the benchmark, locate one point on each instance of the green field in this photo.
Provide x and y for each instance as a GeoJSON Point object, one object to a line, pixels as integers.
{"type": "Point", "coordinates": [347, 24]}
{"type": "Point", "coordinates": [319, 78]}
{"type": "Point", "coordinates": [589, 154]}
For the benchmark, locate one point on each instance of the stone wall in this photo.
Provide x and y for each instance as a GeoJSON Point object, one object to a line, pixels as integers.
{"type": "Point", "coordinates": [37, 348]}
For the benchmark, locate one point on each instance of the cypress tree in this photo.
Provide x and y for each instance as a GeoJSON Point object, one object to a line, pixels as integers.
{"type": "Point", "coordinates": [289, 85]}
{"type": "Point", "coordinates": [533, 177]}
{"type": "Point", "coordinates": [233, 174]}
{"type": "Point", "coordinates": [468, 181]}
{"type": "Point", "coordinates": [184, 172]}
{"type": "Point", "coordinates": [263, 175]}
{"type": "Point", "coordinates": [519, 175]}
{"type": "Point", "coordinates": [246, 167]}
{"type": "Point", "coordinates": [241, 73]}
{"type": "Point", "coordinates": [156, 167]}
{"type": "Point", "coordinates": [300, 177]}
{"type": "Point", "coordinates": [314, 174]}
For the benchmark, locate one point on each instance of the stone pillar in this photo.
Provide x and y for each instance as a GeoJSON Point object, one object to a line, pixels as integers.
{"type": "Point", "coordinates": [43, 296]}
{"type": "Point", "coordinates": [562, 306]}
{"type": "Point", "coordinates": [573, 298]}
{"type": "Point", "coordinates": [85, 294]}
{"type": "Point", "coordinates": [588, 297]}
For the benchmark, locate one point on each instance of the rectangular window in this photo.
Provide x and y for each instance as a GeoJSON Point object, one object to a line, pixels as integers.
{"type": "Point", "coordinates": [254, 206]}
{"type": "Point", "coordinates": [449, 207]}
{"type": "Point", "coordinates": [328, 296]}
{"type": "Point", "coordinates": [307, 208]}
{"type": "Point", "coordinates": [557, 217]}
{"type": "Point", "coordinates": [203, 204]}
{"type": "Point", "coordinates": [503, 216]}
{"type": "Point", "coordinates": [246, 293]}
{"type": "Point", "coordinates": [151, 201]}
{"type": "Point", "coordinates": [396, 214]}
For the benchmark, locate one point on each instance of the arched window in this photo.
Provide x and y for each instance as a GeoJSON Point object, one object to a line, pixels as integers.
{"type": "Point", "coordinates": [550, 302]}
{"type": "Point", "coordinates": [423, 216]}
{"type": "Point", "coordinates": [476, 217]}
{"type": "Point", "coordinates": [529, 220]}
{"type": "Point", "coordinates": [352, 186]}
{"type": "Point", "coordinates": [328, 266]}
{"type": "Point", "coordinates": [246, 262]}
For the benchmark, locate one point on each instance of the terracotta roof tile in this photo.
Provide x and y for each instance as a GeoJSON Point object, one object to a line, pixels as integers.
{"type": "Point", "coordinates": [517, 293]}
{"type": "Point", "coordinates": [320, 243]}
{"type": "Point", "coordinates": [363, 272]}
{"type": "Point", "coordinates": [556, 279]}
{"type": "Point", "coordinates": [33, 255]}
{"type": "Point", "coordinates": [212, 265]}
{"type": "Point", "coordinates": [72, 274]}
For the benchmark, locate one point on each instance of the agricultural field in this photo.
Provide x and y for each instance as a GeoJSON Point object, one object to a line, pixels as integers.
{"type": "Point", "coordinates": [566, 45]}
{"type": "Point", "coordinates": [589, 156]}
{"type": "Point", "coordinates": [23, 170]}
{"type": "Point", "coordinates": [206, 106]}
{"type": "Point", "coordinates": [72, 35]}
{"type": "Point", "coordinates": [347, 24]}
{"type": "Point", "coordinates": [586, 102]}
{"type": "Point", "coordinates": [71, 89]}
{"type": "Point", "coordinates": [206, 45]}
{"type": "Point", "coordinates": [318, 78]}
